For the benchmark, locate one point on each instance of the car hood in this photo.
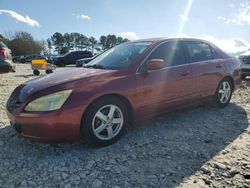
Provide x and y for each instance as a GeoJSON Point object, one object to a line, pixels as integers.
{"type": "Point", "coordinates": [58, 78]}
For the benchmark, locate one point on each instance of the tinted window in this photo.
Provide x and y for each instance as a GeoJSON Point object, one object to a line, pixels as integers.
{"type": "Point", "coordinates": [216, 55]}
{"type": "Point", "coordinates": [199, 51]}
{"type": "Point", "coordinates": [171, 52]}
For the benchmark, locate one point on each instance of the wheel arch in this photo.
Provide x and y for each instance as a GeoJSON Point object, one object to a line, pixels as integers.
{"type": "Point", "coordinates": [230, 78]}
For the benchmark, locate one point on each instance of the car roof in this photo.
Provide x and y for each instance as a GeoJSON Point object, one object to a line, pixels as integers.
{"type": "Point", "coordinates": [162, 39]}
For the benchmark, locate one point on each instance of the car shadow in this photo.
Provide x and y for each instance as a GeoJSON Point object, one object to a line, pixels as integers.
{"type": "Point", "coordinates": [159, 153]}
{"type": "Point", "coordinates": [24, 75]}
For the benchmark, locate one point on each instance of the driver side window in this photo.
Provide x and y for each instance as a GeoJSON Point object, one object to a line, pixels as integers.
{"type": "Point", "coordinates": [171, 52]}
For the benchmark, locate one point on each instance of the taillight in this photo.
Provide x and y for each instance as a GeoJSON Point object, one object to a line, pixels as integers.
{"type": "Point", "coordinates": [3, 53]}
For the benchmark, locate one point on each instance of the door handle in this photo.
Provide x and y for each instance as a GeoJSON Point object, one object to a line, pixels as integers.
{"type": "Point", "coordinates": [184, 73]}
{"type": "Point", "coordinates": [219, 65]}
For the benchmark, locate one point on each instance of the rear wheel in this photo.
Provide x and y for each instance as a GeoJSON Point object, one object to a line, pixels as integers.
{"type": "Point", "coordinates": [105, 121]}
{"type": "Point", "coordinates": [61, 65]}
{"type": "Point", "coordinates": [224, 93]}
{"type": "Point", "coordinates": [49, 71]}
{"type": "Point", "coordinates": [36, 72]}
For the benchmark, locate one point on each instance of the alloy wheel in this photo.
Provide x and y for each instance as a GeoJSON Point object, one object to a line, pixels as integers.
{"type": "Point", "coordinates": [107, 122]}
{"type": "Point", "coordinates": [224, 92]}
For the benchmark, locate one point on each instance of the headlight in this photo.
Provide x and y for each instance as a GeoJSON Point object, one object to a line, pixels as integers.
{"type": "Point", "coordinates": [49, 102]}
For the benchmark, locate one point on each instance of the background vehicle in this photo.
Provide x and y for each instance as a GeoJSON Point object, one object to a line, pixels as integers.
{"type": "Point", "coordinates": [6, 63]}
{"type": "Point", "coordinates": [71, 58]}
{"type": "Point", "coordinates": [80, 62]}
{"type": "Point", "coordinates": [29, 58]}
{"type": "Point", "coordinates": [245, 64]}
{"type": "Point", "coordinates": [125, 84]}
{"type": "Point", "coordinates": [17, 59]}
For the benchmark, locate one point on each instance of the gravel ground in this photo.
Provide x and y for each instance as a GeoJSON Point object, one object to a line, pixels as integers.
{"type": "Point", "coordinates": [200, 147]}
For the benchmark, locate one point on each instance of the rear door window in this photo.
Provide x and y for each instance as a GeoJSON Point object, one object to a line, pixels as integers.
{"type": "Point", "coordinates": [171, 52]}
{"type": "Point", "coordinates": [199, 51]}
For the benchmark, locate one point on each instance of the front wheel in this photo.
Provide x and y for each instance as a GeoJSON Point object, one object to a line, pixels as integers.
{"type": "Point", "coordinates": [36, 72]}
{"type": "Point", "coordinates": [105, 121]}
{"type": "Point", "coordinates": [224, 93]}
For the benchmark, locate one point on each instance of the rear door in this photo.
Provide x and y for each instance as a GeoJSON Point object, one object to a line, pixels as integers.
{"type": "Point", "coordinates": [207, 68]}
{"type": "Point", "coordinates": [163, 89]}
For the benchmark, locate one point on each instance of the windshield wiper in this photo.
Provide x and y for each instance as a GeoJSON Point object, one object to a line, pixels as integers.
{"type": "Point", "coordinates": [95, 66]}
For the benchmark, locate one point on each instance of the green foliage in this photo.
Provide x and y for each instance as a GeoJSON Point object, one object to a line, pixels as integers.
{"type": "Point", "coordinates": [66, 42]}
{"type": "Point", "coordinates": [22, 43]}
{"type": "Point", "coordinates": [58, 41]}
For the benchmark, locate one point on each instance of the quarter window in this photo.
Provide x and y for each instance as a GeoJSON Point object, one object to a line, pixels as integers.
{"type": "Point", "coordinates": [171, 52]}
{"type": "Point", "coordinates": [199, 51]}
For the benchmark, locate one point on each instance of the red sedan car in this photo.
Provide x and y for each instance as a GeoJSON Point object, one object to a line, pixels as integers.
{"type": "Point", "coordinates": [129, 82]}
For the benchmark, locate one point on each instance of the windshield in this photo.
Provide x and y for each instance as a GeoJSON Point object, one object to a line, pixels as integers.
{"type": "Point", "coordinates": [119, 57]}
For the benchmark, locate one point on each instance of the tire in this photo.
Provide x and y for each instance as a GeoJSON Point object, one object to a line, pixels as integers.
{"type": "Point", "coordinates": [49, 71]}
{"type": "Point", "coordinates": [100, 126]}
{"type": "Point", "coordinates": [61, 65]}
{"type": "Point", "coordinates": [223, 93]}
{"type": "Point", "coordinates": [36, 72]}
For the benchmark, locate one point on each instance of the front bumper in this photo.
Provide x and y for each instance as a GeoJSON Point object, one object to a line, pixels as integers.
{"type": "Point", "coordinates": [245, 71]}
{"type": "Point", "coordinates": [47, 127]}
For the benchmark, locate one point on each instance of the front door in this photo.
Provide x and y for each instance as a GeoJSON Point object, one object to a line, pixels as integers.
{"type": "Point", "coordinates": [164, 89]}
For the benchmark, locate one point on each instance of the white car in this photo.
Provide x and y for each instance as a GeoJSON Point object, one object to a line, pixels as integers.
{"type": "Point", "coordinates": [245, 64]}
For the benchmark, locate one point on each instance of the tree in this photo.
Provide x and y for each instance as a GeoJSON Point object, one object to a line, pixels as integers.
{"type": "Point", "coordinates": [68, 42]}
{"type": "Point", "coordinates": [103, 41]}
{"type": "Point", "coordinates": [58, 41]}
{"type": "Point", "coordinates": [111, 41]}
{"type": "Point", "coordinates": [49, 43]}
{"type": "Point", "coordinates": [83, 42]}
{"type": "Point", "coordinates": [76, 40]}
{"type": "Point", "coordinates": [3, 39]}
{"type": "Point", "coordinates": [23, 43]}
{"type": "Point", "coordinates": [93, 44]}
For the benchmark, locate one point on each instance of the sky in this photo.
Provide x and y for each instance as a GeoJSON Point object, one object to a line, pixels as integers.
{"type": "Point", "coordinates": [223, 22]}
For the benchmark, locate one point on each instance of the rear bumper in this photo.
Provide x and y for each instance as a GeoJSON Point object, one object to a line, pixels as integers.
{"type": "Point", "coordinates": [6, 66]}
{"type": "Point", "coordinates": [245, 71]}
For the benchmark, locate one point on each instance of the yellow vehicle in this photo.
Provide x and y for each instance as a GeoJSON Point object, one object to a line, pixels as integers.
{"type": "Point", "coordinates": [41, 64]}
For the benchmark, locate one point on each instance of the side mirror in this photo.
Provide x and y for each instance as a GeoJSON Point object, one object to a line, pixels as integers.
{"type": "Point", "coordinates": [155, 64]}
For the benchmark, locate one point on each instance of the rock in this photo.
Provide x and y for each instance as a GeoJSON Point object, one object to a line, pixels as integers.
{"type": "Point", "coordinates": [96, 183]}
{"type": "Point", "coordinates": [224, 152]}
{"type": "Point", "coordinates": [24, 183]}
{"type": "Point", "coordinates": [90, 164]}
{"type": "Point", "coordinates": [108, 168]}
{"type": "Point", "coordinates": [205, 170]}
{"type": "Point", "coordinates": [133, 157]}
{"type": "Point", "coordinates": [1, 143]}
{"type": "Point", "coordinates": [64, 175]}
{"type": "Point", "coordinates": [116, 186]}
{"type": "Point", "coordinates": [220, 166]}
{"type": "Point", "coordinates": [207, 181]}
{"type": "Point", "coordinates": [67, 186]}
{"type": "Point", "coordinates": [233, 172]}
